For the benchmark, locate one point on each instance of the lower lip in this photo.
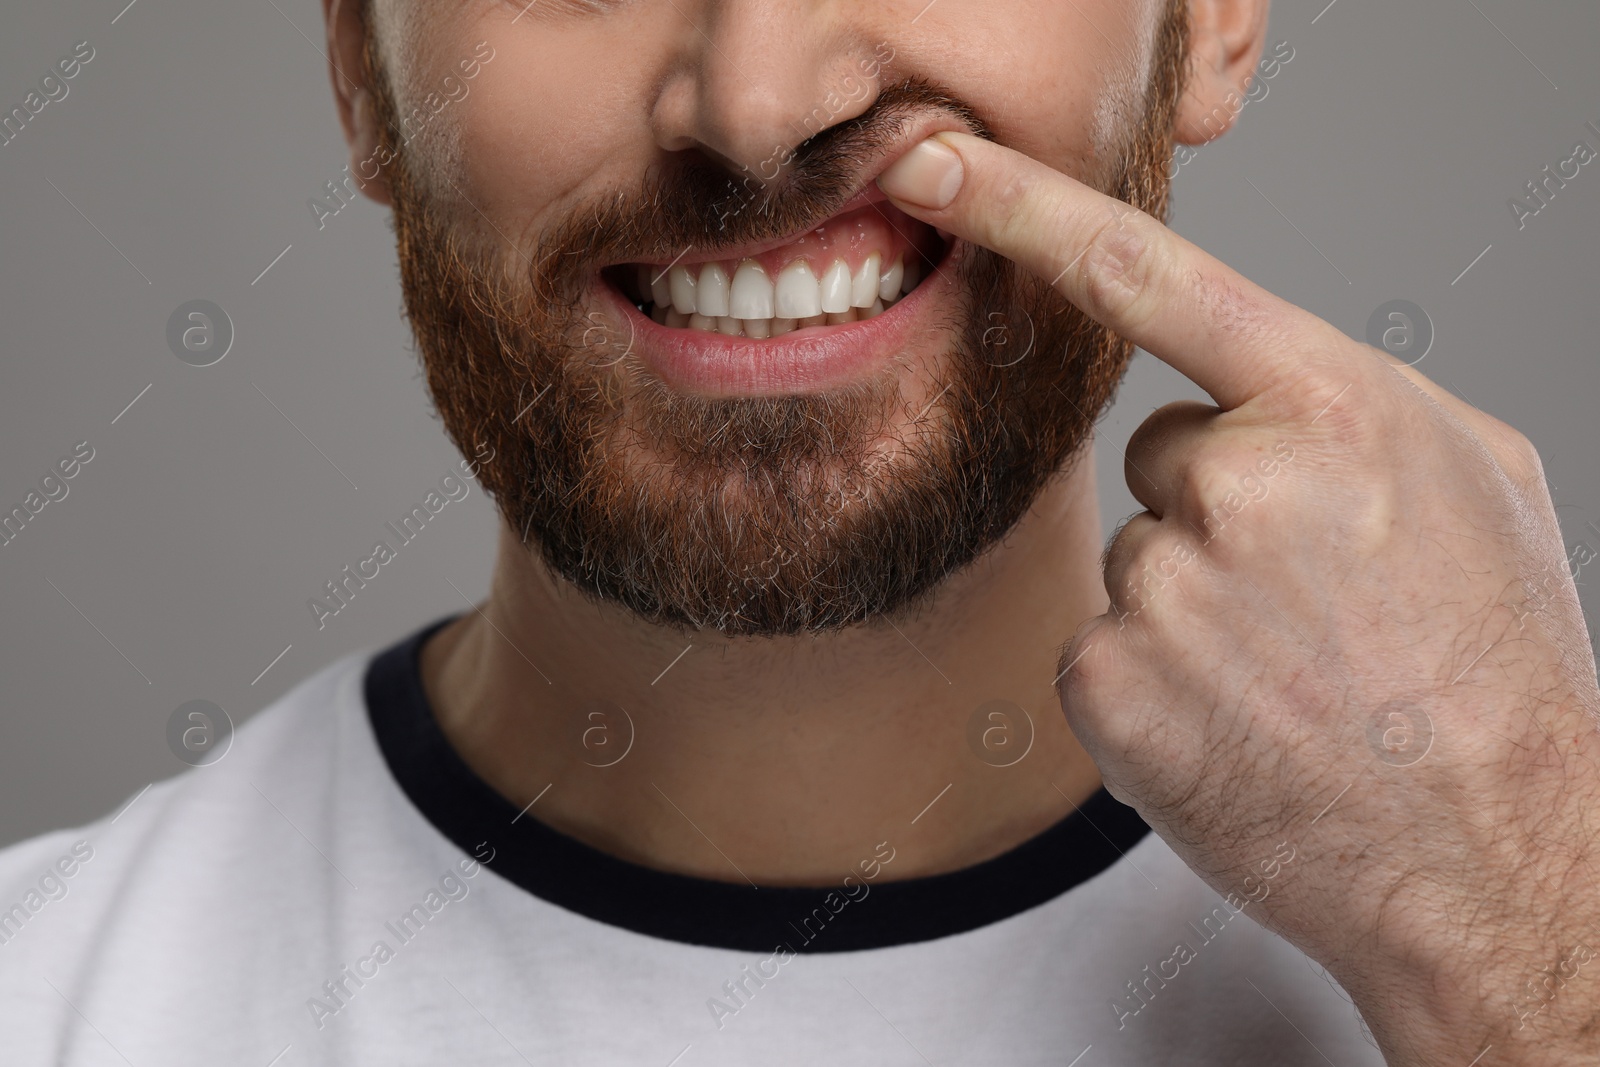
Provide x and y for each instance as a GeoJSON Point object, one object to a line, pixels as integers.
{"type": "Point", "coordinates": [811, 360]}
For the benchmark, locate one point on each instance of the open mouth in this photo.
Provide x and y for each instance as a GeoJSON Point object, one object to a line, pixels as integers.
{"type": "Point", "coordinates": [852, 268]}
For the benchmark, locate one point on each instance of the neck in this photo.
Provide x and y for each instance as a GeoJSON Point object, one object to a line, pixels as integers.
{"type": "Point", "coordinates": [782, 761]}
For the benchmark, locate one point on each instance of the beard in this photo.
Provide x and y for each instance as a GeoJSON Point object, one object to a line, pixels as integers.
{"type": "Point", "coordinates": [754, 515]}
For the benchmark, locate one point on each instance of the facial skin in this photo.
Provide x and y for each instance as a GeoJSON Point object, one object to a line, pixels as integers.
{"type": "Point", "coordinates": [869, 488]}
{"type": "Point", "coordinates": [821, 499]}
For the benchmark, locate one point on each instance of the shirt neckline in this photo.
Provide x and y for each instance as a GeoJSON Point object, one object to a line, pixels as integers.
{"type": "Point", "coordinates": [862, 913]}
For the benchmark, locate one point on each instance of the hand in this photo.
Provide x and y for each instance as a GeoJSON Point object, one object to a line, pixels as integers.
{"type": "Point", "coordinates": [1343, 628]}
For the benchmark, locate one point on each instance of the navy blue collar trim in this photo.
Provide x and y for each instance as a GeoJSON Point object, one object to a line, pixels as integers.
{"type": "Point", "coordinates": [849, 916]}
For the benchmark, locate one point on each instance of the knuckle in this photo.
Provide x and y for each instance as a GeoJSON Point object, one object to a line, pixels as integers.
{"type": "Point", "coordinates": [1119, 270]}
{"type": "Point", "coordinates": [1120, 548]}
{"type": "Point", "coordinates": [1321, 383]}
{"type": "Point", "coordinates": [1163, 427]}
{"type": "Point", "coordinates": [1085, 666]}
{"type": "Point", "coordinates": [1343, 404]}
{"type": "Point", "coordinates": [1149, 581]}
{"type": "Point", "coordinates": [1225, 498]}
{"type": "Point", "coordinates": [1152, 550]}
{"type": "Point", "coordinates": [1212, 476]}
{"type": "Point", "coordinates": [1517, 454]}
{"type": "Point", "coordinates": [1014, 210]}
{"type": "Point", "coordinates": [1225, 480]}
{"type": "Point", "coordinates": [1374, 520]}
{"type": "Point", "coordinates": [1010, 190]}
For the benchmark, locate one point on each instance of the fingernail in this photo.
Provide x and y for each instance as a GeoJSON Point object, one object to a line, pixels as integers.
{"type": "Point", "coordinates": [929, 175]}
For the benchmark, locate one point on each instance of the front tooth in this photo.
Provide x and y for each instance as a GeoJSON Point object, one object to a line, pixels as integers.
{"type": "Point", "coordinates": [797, 291]}
{"type": "Point", "coordinates": [660, 290]}
{"type": "Point", "coordinates": [711, 293]}
{"type": "Point", "coordinates": [758, 328]}
{"type": "Point", "coordinates": [702, 322]}
{"type": "Point", "coordinates": [811, 320]}
{"type": "Point", "coordinates": [873, 311]}
{"type": "Point", "coordinates": [676, 319]}
{"type": "Point", "coordinates": [750, 295]}
{"type": "Point", "coordinates": [783, 326]}
{"type": "Point", "coordinates": [658, 312]}
{"type": "Point", "coordinates": [730, 326]}
{"type": "Point", "coordinates": [864, 286]}
{"type": "Point", "coordinates": [889, 285]}
{"type": "Point", "coordinates": [913, 274]}
{"type": "Point", "coordinates": [836, 288]}
{"type": "Point", "coordinates": [680, 281]}
{"type": "Point", "coordinates": [839, 318]}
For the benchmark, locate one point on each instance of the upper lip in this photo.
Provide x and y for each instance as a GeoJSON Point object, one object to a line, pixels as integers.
{"type": "Point", "coordinates": [912, 131]}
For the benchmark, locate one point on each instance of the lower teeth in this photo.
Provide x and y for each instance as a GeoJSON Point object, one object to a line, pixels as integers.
{"type": "Point", "coordinates": [756, 328]}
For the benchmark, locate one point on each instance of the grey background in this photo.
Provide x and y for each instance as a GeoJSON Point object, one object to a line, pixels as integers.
{"type": "Point", "coordinates": [1377, 167]}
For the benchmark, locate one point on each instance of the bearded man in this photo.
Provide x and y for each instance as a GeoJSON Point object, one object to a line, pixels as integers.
{"type": "Point", "coordinates": [777, 331]}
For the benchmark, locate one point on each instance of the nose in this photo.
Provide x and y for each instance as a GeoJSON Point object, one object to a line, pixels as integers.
{"type": "Point", "coordinates": [759, 77]}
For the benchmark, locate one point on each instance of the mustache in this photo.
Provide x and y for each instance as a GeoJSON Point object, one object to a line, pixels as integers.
{"type": "Point", "coordinates": [696, 202]}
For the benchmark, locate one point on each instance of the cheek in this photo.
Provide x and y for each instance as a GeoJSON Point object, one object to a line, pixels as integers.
{"type": "Point", "coordinates": [550, 118]}
{"type": "Point", "coordinates": [1123, 79]}
{"type": "Point", "coordinates": [1066, 91]}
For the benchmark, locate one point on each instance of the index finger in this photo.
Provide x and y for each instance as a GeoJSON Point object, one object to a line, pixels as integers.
{"type": "Point", "coordinates": [1121, 266]}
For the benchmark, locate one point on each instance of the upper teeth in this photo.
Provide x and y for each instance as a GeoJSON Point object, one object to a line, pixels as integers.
{"type": "Point", "coordinates": [753, 304]}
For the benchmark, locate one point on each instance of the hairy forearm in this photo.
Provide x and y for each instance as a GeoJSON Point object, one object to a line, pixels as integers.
{"type": "Point", "coordinates": [1511, 974]}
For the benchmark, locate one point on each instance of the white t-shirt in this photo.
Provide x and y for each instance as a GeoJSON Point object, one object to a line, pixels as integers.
{"type": "Point", "coordinates": [316, 897]}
